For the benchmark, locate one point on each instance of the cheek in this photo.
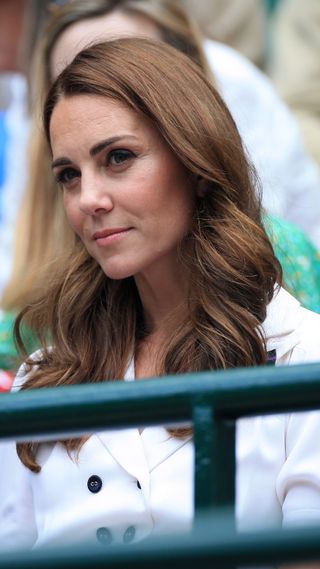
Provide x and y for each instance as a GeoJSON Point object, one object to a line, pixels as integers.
{"type": "Point", "coordinates": [180, 205]}
{"type": "Point", "coordinates": [172, 219]}
{"type": "Point", "coordinates": [73, 213]}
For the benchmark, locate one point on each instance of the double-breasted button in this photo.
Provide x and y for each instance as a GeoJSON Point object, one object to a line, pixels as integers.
{"type": "Point", "coordinates": [94, 484]}
{"type": "Point", "coordinates": [104, 536]}
{"type": "Point", "coordinates": [129, 534]}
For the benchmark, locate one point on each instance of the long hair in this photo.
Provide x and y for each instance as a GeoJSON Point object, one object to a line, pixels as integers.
{"type": "Point", "coordinates": [94, 322]}
{"type": "Point", "coordinates": [43, 234]}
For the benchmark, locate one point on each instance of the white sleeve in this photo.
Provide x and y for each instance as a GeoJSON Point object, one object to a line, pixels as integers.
{"type": "Point", "coordinates": [290, 178]}
{"type": "Point", "coordinates": [17, 519]}
{"type": "Point", "coordinates": [298, 483]}
{"type": "Point", "coordinates": [23, 371]}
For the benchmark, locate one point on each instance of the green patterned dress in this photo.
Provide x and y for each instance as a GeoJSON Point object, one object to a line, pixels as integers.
{"type": "Point", "coordinates": [299, 258]}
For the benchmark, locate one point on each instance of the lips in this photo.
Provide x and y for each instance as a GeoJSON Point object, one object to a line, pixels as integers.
{"type": "Point", "coordinates": [108, 232]}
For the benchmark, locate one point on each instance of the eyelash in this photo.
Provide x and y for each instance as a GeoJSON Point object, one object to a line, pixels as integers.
{"type": "Point", "coordinates": [61, 176]}
{"type": "Point", "coordinates": [126, 156]}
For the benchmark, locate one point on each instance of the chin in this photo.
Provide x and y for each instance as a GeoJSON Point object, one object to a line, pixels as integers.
{"type": "Point", "coordinates": [116, 273]}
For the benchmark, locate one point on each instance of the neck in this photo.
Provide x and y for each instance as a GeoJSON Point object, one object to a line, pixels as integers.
{"type": "Point", "coordinates": [163, 293]}
{"type": "Point", "coordinates": [164, 299]}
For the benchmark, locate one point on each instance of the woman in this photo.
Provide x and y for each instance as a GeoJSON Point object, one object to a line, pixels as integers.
{"type": "Point", "coordinates": [171, 271]}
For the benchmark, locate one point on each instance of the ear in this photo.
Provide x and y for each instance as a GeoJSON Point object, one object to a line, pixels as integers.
{"type": "Point", "coordinates": [201, 187]}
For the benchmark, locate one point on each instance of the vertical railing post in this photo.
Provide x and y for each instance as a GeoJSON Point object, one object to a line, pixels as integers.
{"type": "Point", "coordinates": [214, 441]}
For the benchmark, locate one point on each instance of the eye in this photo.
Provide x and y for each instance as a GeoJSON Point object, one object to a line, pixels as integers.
{"type": "Point", "coordinates": [67, 176]}
{"type": "Point", "coordinates": [119, 157]}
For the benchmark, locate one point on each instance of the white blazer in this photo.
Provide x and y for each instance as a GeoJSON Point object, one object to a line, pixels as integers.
{"type": "Point", "coordinates": [126, 485]}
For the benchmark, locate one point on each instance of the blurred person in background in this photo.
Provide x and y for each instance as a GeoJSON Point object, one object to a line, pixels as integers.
{"type": "Point", "coordinates": [295, 65]}
{"type": "Point", "coordinates": [14, 17]}
{"type": "Point", "coordinates": [263, 121]}
{"type": "Point", "coordinates": [238, 23]}
{"type": "Point", "coordinates": [14, 129]}
{"type": "Point", "coordinates": [20, 21]}
{"type": "Point", "coordinates": [290, 179]}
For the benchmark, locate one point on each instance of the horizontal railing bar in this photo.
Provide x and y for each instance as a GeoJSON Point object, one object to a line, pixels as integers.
{"type": "Point", "coordinates": [118, 404]}
{"type": "Point", "coordinates": [214, 544]}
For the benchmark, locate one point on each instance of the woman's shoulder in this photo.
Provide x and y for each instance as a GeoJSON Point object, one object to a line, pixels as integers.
{"type": "Point", "coordinates": [291, 330]}
{"type": "Point", "coordinates": [25, 369]}
{"type": "Point", "coordinates": [309, 346]}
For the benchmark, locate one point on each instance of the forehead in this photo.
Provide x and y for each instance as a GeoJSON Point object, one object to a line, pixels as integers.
{"type": "Point", "coordinates": [87, 118]}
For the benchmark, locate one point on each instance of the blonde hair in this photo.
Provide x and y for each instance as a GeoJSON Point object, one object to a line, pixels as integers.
{"type": "Point", "coordinates": [94, 322]}
{"type": "Point", "coordinates": [43, 234]}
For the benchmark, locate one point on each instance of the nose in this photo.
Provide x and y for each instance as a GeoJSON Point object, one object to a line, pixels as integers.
{"type": "Point", "coordinates": [94, 197]}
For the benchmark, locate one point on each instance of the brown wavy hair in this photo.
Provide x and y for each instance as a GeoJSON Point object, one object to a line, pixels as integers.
{"type": "Point", "coordinates": [94, 322]}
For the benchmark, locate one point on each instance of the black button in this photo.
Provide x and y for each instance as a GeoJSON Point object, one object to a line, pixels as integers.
{"type": "Point", "coordinates": [104, 536]}
{"type": "Point", "coordinates": [272, 357]}
{"type": "Point", "coordinates": [94, 484]}
{"type": "Point", "coordinates": [138, 484]}
{"type": "Point", "coordinates": [129, 534]}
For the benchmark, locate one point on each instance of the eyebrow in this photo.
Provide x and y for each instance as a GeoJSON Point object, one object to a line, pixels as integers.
{"type": "Point", "coordinates": [96, 149]}
{"type": "Point", "coordinates": [61, 162]}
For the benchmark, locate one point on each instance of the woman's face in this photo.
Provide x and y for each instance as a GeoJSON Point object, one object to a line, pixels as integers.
{"type": "Point", "coordinates": [125, 193]}
{"type": "Point", "coordinates": [94, 30]}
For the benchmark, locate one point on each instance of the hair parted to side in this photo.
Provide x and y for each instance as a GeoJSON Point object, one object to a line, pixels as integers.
{"type": "Point", "coordinates": [94, 322]}
{"type": "Point", "coordinates": [44, 234]}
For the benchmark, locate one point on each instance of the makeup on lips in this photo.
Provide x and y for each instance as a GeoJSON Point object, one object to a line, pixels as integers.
{"type": "Point", "coordinates": [110, 236]}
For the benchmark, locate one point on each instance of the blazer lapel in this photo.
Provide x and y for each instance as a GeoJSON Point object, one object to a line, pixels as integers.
{"type": "Point", "coordinates": [126, 448]}
{"type": "Point", "coordinates": [159, 445]}
{"type": "Point", "coordinates": [140, 454]}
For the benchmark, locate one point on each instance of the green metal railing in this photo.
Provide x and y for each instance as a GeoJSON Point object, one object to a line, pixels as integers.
{"type": "Point", "coordinates": [212, 401]}
{"type": "Point", "coordinates": [220, 548]}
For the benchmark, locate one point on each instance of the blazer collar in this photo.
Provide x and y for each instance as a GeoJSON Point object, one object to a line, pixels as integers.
{"type": "Point", "coordinates": [137, 453]}
{"type": "Point", "coordinates": [125, 446]}
{"type": "Point", "coordinates": [281, 327]}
